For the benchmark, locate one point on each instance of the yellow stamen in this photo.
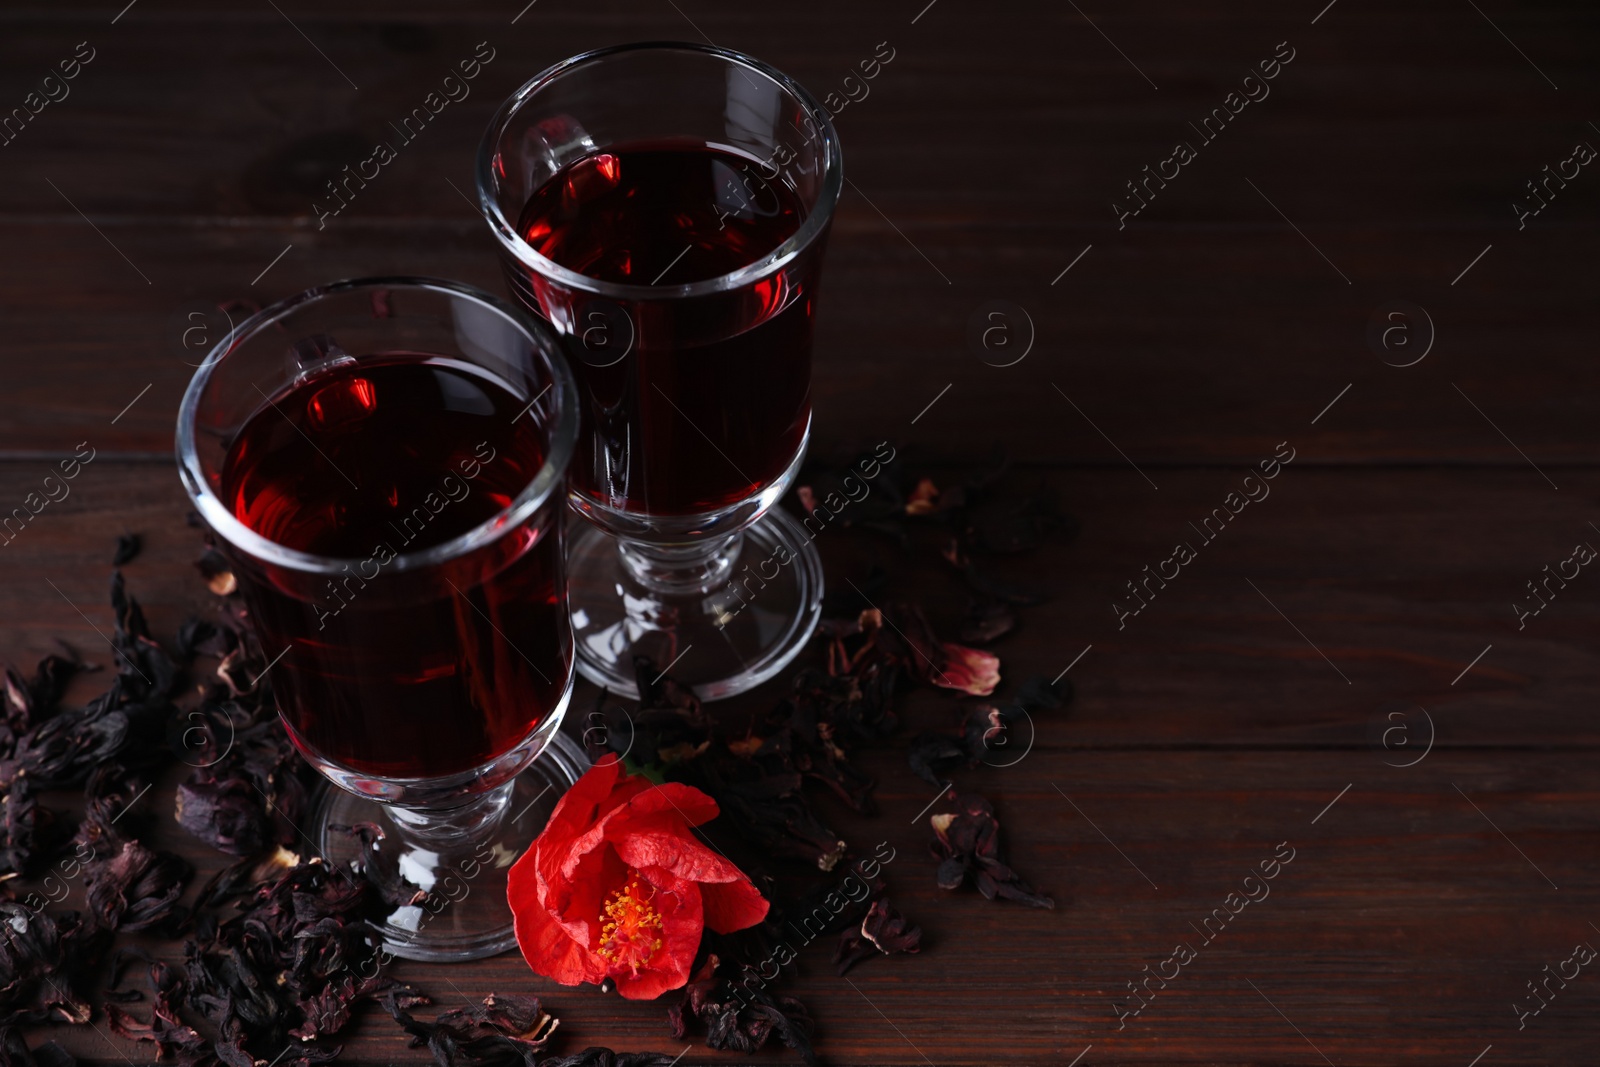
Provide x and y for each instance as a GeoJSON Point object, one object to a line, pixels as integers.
{"type": "Point", "coordinates": [629, 928]}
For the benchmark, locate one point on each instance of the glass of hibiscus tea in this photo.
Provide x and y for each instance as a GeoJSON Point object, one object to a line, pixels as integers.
{"type": "Point", "coordinates": [665, 208]}
{"type": "Point", "coordinates": [382, 462]}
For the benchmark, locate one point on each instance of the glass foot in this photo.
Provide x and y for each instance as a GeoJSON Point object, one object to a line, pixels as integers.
{"type": "Point", "coordinates": [723, 621]}
{"type": "Point", "coordinates": [465, 916]}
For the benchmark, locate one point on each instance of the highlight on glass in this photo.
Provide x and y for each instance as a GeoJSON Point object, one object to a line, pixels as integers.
{"type": "Point", "coordinates": [665, 208]}
{"type": "Point", "coordinates": [383, 464]}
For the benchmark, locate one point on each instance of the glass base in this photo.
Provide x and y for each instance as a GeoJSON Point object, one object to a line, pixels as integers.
{"type": "Point", "coordinates": [465, 915]}
{"type": "Point", "coordinates": [746, 610]}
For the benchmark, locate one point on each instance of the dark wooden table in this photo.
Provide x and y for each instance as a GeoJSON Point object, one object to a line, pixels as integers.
{"type": "Point", "coordinates": [1248, 703]}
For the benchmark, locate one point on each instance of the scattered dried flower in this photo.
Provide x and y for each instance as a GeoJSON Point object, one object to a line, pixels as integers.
{"type": "Point", "coordinates": [742, 1022]}
{"type": "Point", "coordinates": [506, 1030]}
{"type": "Point", "coordinates": [883, 932]}
{"type": "Point", "coordinates": [967, 845]}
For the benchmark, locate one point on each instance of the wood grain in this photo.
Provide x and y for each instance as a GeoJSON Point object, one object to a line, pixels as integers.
{"type": "Point", "coordinates": [969, 184]}
{"type": "Point", "coordinates": [1252, 701]}
{"type": "Point", "coordinates": [1208, 720]}
{"type": "Point", "coordinates": [1403, 928]}
{"type": "Point", "coordinates": [1143, 350]}
{"type": "Point", "coordinates": [1399, 604]}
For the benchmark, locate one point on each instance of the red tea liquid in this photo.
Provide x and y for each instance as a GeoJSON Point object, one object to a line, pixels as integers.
{"type": "Point", "coordinates": [416, 673]}
{"type": "Point", "coordinates": [711, 401]}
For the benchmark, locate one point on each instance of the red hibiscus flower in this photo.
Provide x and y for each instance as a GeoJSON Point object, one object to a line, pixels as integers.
{"type": "Point", "coordinates": [617, 887]}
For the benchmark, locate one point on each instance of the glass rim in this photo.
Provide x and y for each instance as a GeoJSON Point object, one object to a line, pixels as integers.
{"type": "Point", "coordinates": [547, 482]}
{"type": "Point", "coordinates": [816, 220]}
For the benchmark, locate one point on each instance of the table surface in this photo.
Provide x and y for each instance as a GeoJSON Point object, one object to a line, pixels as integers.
{"type": "Point", "coordinates": [1255, 700]}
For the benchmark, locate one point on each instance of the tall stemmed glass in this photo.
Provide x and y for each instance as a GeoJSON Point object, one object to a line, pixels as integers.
{"type": "Point", "coordinates": [665, 208]}
{"type": "Point", "coordinates": [382, 462]}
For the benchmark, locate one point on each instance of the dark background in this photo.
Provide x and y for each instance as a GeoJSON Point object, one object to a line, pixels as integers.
{"type": "Point", "coordinates": [1218, 722]}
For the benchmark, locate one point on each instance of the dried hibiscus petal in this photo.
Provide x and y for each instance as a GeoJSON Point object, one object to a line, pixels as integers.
{"type": "Point", "coordinates": [41, 955]}
{"type": "Point", "coordinates": [903, 635]}
{"type": "Point", "coordinates": [135, 888]}
{"type": "Point", "coordinates": [513, 1015]}
{"type": "Point", "coordinates": [970, 670]}
{"type": "Point", "coordinates": [595, 1056]}
{"type": "Point", "coordinates": [987, 619]}
{"type": "Point", "coordinates": [128, 546]}
{"type": "Point", "coordinates": [25, 828]}
{"type": "Point", "coordinates": [14, 1052]}
{"type": "Point", "coordinates": [225, 813]}
{"type": "Point", "coordinates": [883, 932]}
{"type": "Point", "coordinates": [217, 571]}
{"type": "Point", "coordinates": [931, 754]}
{"type": "Point", "coordinates": [503, 1032]}
{"type": "Point", "coordinates": [61, 751]}
{"type": "Point", "coordinates": [967, 845]}
{"type": "Point", "coordinates": [741, 1020]}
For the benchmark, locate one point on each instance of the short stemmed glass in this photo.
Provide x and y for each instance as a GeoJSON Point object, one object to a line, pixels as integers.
{"type": "Point", "coordinates": [382, 462]}
{"type": "Point", "coordinates": [665, 208]}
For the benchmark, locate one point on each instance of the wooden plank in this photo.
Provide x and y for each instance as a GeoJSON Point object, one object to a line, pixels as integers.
{"type": "Point", "coordinates": [1019, 93]}
{"type": "Point", "coordinates": [1144, 346]}
{"type": "Point", "coordinates": [1399, 579]}
{"type": "Point", "coordinates": [210, 178]}
{"type": "Point", "coordinates": [1358, 941]}
{"type": "Point", "coordinates": [1359, 619]}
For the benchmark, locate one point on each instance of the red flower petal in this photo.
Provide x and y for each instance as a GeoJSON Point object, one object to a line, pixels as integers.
{"type": "Point", "coordinates": [691, 805]}
{"type": "Point", "coordinates": [541, 938]}
{"type": "Point", "coordinates": [731, 906]}
{"type": "Point", "coordinates": [680, 907]}
{"type": "Point", "coordinates": [679, 853]}
{"type": "Point", "coordinates": [581, 906]}
{"type": "Point", "coordinates": [602, 789]}
{"type": "Point", "coordinates": [576, 903]}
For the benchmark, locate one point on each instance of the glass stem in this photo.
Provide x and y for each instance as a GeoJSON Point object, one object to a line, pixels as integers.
{"type": "Point", "coordinates": [682, 569]}
{"type": "Point", "coordinates": [457, 830]}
